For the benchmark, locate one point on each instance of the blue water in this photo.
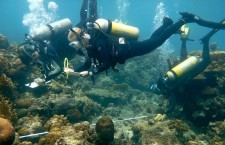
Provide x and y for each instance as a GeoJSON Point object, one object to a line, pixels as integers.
{"type": "Point", "coordinates": [139, 13]}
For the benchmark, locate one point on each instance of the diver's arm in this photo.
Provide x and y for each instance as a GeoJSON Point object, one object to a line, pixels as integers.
{"type": "Point", "coordinates": [53, 74]}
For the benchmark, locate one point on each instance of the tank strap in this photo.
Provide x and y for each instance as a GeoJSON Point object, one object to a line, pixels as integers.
{"type": "Point", "coordinates": [174, 73]}
{"type": "Point", "coordinates": [110, 27]}
{"type": "Point", "coordinates": [51, 29]}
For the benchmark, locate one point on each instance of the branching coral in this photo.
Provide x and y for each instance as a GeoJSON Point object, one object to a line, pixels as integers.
{"type": "Point", "coordinates": [6, 109]}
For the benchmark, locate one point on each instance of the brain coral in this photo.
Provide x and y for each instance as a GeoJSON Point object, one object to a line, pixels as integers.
{"type": "Point", "coordinates": [7, 132]}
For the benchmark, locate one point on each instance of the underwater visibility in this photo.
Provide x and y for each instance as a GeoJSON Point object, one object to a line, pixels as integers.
{"type": "Point", "coordinates": [112, 72]}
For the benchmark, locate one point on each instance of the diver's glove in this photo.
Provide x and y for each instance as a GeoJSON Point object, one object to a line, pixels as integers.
{"type": "Point", "coordinates": [189, 17]}
{"type": "Point", "coordinates": [39, 81]}
{"type": "Point", "coordinates": [86, 73]}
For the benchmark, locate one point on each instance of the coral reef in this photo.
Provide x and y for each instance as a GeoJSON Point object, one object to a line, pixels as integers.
{"type": "Point", "coordinates": [60, 130]}
{"type": "Point", "coordinates": [7, 132]}
{"type": "Point", "coordinates": [166, 132]}
{"type": "Point", "coordinates": [30, 124]}
{"type": "Point", "coordinates": [123, 95]}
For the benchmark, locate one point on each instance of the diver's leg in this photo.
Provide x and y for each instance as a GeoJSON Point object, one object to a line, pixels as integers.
{"type": "Point", "coordinates": [205, 54]}
{"type": "Point", "coordinates": [93, 11]}
{"type": "Point", "coordinates": [83, 11]}
{"type": "Point", "coordinates": [166, 23]}
{"type": "Point", "coordinates": [189, 18]}
{"type": "Point", "coordinates": [183, 50]}
{"type": "Point", "coordinates": [146, 46]}
{"type": "Point", "coordinates": [211, 24]}
{"type": "Point", "coordinates": [205, 41]}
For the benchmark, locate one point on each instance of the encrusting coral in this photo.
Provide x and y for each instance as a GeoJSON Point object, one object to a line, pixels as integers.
{"type": "Point", "coordinates": [7, 132]}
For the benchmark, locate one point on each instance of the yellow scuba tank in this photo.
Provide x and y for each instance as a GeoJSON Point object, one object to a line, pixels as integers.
{"type": "Point", "coordinates": [183, 69]}
{"type": "Point", "coordinates": [46, 31]}
{"type": "Point", "coordinates": [117, 29]}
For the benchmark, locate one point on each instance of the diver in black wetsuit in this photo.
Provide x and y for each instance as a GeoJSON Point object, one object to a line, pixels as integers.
{"type": "Point", "coordinates": [186, 70]}
{"type": "Point", "coordinates": [51, 54]}
{"type": "Point", "coordinates": [45, 54]}
{"type": "Point", "coordinates": [105, 53]}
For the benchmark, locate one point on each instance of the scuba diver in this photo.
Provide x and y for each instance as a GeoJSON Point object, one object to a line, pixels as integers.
{"type": "Point", "coordinates": [104, 50]}
{"type": "Point", "coordinates": [185, 71]}
{"type": "Point", "coordinates": [84, 20]}
{"type": "Point", "coordinates": [47, 46]}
